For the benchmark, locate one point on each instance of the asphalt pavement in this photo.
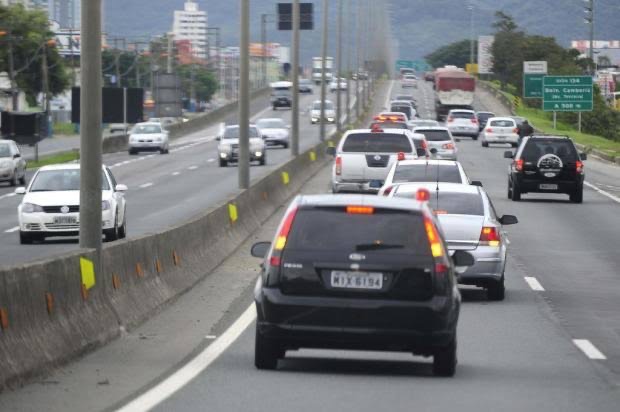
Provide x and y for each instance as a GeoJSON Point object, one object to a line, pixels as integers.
{"type": "Point", "coordinates": [553, 344]}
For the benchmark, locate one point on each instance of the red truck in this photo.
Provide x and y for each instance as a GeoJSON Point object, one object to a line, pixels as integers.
{"type": "Point", "coordinates": [455, 90]}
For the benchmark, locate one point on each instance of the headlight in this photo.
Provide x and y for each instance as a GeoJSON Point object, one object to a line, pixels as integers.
{"type": "Point", "coordinates": [315, 119]}
{"type": "Point", "coordinates": [105, 205]}
{"type": "Point", "coordinates": [223, 155]}
{"type": "Point", "coordinates": [258, 154]}
{"type": "Point", "coordinates": [5, 164]}
{"type": "Point", "coordinates": [31, 208]}
{"type": "Point", "coordinates": [330, 119]}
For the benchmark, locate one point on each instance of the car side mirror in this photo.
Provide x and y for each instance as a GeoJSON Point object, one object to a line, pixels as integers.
{"type": "Point", "coordinates": [433, 151]}
{"type": "Point", "coordinates": [260, 249]}
{"type": "Point", "coordinates": [508, 220]}
{"type": "Point", "coordinates": [508, 154]}
{"type": "Point", "coordinates": [121, 188]}
{"type": "Point", "coordinates": [463, 258]}
{"type": "Point", "coordinates": [16, 156]}
{"type": "Point", "coordinates": [20, 191]}
{"type": "Point", "coordinates": [583, 156]}
{"type": "Point", "coordinates": [476, 183]}
{"type": "Point", "coordinates": [331, 150]}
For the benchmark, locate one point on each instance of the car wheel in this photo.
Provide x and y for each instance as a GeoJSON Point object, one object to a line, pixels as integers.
{"type": "Point", "coordinates": [577, 195]}
{"type": "Point", "coordinates": [515, 193]}
{"type": "Point", "coordinates": [112, 234]}
{"type": "Point", "coordinates": [485, 144]}
{"type": "Point", "coordinates": [285, 145]}
{"type": "Point", "coordinates": [263, 160]}
{"type": "Point", "coordinates": [25, 238]}
{"type": "Point", "coordinates": [122, 231]}
{"type": "Point", "coordinates": [22, 180]}
{"type": "Point", "coordinates": [475, 137]}
{"type": "Point", "coordinates": [15, 180]}
{"type": "Point", "coordinates": [496, 290]}
{"type": "Point", "coordinates": [444, 360]}
{"type": "Point", "coordinates": [266, 352]}
{"type": "Point", "coordinates": [132, 152]}
{"type": "Point", "coordinates": [223, 163]}
{"type": "Point", "coordinates": [275, 108]}
{"type": "Point", "coordinates": [509, 190]}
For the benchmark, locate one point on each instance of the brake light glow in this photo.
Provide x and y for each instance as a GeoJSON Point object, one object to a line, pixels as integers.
{"type": "Point", "coordinates": [284, 230]}
{"type": "Point", "coordinates": [489, 236]}
{"type": "Point", "coordinates": [275, 261]}
{"type": "Point", "coordinates": [376, 129]}
{"type": "Point", "coordinates": [474, 120]}
{"type": "Point", "coordinates": [489, 130]}
{"type": "Point", "coordinates": [579, 166]}
{"type": "Point", "coordinates": [433, 238]}
{"type": "Point", "coordinates": [360, 210]}
{"type": "Point", "coordinates": [519, 165]}
{"type": "Point", "coordinates": [388, 190]}
{"type": "Point", "coordinates": [450, 119]}
{"type": "Point", "coordinates": [338, 165]}
{"type": "Point", "coordinates": [401, 156]}
{"type": "Point", "coordinates": [422, 195]}
{"type": "Point", "coordinates": [448, 146]}
{"type": "Point", "coordinates": [515, 130]}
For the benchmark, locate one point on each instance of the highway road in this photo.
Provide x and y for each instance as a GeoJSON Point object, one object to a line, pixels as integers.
{"type": "Point", "coordinates": [164, 190]}
{"type": "Point", "coordinates": [553, 344]}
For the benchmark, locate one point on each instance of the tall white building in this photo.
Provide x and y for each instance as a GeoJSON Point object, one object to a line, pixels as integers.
{"type": "Point", "coordinates": [191, 24]}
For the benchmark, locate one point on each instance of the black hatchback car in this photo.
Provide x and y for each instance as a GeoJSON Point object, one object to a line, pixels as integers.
{"type": "Point", "coordinates": [358, 272]}
{"type": "Point", "coordinates": [546, 164]}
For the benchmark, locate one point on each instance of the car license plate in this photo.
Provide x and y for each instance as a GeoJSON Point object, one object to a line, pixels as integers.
{"type": "Point", "coordinates": [357, 280]}
{"type": "Point", "coordinates": [65, 219]}
{"type": "Point", "coordinates": [501, 137]}
{"type": "Point", "coordinates": [548, 186]}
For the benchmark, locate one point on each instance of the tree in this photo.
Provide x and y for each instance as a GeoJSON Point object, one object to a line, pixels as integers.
{"type": "Point", "coordinates": [205, 84]}
{"type": "Point", "coordinates": [27, 33]}
{"type": "Point", "coordinates": [455, 54]}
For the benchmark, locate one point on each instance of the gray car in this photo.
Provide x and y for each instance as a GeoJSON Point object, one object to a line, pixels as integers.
{"type": "Point", "coordinates": [470, 223]}
{"type": "Point", "coordinates": [275, 132]}
{"type": "Point", "coordinates": [12, 165]}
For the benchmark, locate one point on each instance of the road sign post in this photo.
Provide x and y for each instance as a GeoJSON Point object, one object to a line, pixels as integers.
{"type": "Point", "coordinates": [533, 73]}
{"type": "Point", "coordinates": [404, 64]}
{"type": "Point", "coordinates": [567, 93]}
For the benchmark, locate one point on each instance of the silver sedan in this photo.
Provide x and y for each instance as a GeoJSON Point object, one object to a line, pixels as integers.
{"type": "Point", "coordinates": [469, 223]}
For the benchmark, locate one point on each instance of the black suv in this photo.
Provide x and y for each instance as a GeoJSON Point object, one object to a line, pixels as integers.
{"type": "Point", "coordinates": [546, 164]}
{"type": "Point", "coordinates": [358, 272]}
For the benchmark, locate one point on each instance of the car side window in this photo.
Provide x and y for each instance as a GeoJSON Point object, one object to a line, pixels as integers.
{"type": "Point", "coordinates": [492, 210]}
{"type": "Point", "coordinates": [111, 177]}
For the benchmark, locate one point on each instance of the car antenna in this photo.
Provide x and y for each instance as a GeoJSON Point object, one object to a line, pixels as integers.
{"type": "Point", "coordinates": [437, 189]}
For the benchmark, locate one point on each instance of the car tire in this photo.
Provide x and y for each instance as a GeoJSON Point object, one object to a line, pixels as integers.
{"type": "Point", "coordinates": [266, 352]}
{"type": "Point", "coordinates": [25, 238]}
{"type": "Point", "coordinates": [496, 291]}
{"type": "Point", "coordinates": [285, 145]}
{"type": "Point", "coordinates": [122, 231]}
{"type": "Point", "coordinates": [475, 137]}
{"type": "Point", "coordinates": [15, 180]}
{"type": "Point", "coordinates": [509, 190]}
{"type": "Point", "coordinates": [263, 160]}
{"type": "Point", "coordinates": [577, 195]}
{"type": "Point", "coordinates": [132, 152]}
{"type": "Point", "coordinates": [444, 360]}
{"type": "Point", "coordinates": [112, 234]}
{"type": "Point", "coordinates": [223, 163]}
{"type": "Point", "coordinates": [22, 180]}
{"type": "Point", "coordinates": [515, 194]}
{"type": "Point", "coordinates": [485, 144]}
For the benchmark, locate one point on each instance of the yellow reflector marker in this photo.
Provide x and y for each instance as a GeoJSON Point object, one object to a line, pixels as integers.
{"type": "Point", "coordinates": [285, 178]}
{"type": "Point", "coordinates": [280, 242]}
{"type": "Point", "coordinates": [312, 156]}
{"type": "Point", "coordinates": [232, 212]}
{"type": "Point", "coordinates": [88, 272]}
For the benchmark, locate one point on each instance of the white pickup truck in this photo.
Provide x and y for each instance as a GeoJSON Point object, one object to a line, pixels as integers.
{"type": "Point", "coordinates": [364, 157]}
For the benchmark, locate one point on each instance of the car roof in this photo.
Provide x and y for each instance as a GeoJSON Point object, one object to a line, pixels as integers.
{"type": "Point", "coordinates": [270, 119]}
{"type": "Point", "coordinates": [61, 166]}
{"type": "Point", "coordinates": [427, 162]}
{"type": "Point", "coordinates": [318, 101]}
{"type": "Point", "coordinates": [443, 187]}
{"type": "Point", "coordinates": [230, 126]}
{"type": "Point", "coordinates": [501, 118]}
{"type": "Point", "coordinates": [148, 123]}
{"type": "Point", "coordinates": [359, 200]}
{"type": "Point", "coordinates": [392, 131]}
{"type": "Point", "coordinates": [548, 136]}
{"type": "Point", "coordinates": [486, 113]}
{"type": "Point", "coordinates": [432, 128]}
{"type": "Point", "coordinates": [462, 110]}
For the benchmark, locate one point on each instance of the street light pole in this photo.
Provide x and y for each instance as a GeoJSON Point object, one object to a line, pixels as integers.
{"type": "Point", "coordinates": [589, 9]}
{"type": "Point", "coordinates": [357, 60]}
{"type": "Point", "coordinates": [470, 7]}
{"type": "Point", "coordinates": [348, 70]}
{"type": "Point", "coordinates": [323, 68]}
{"type": "Point", "coordinates": [263, 41]}
{"type": "Point", "coordinates": [295, 61]}
{"type": "Point", "coordinates": [339, 68]}
{"type": "Point", "coordinates": [244, 107]}
{"type": "Point", "coordinates": [90, 130]}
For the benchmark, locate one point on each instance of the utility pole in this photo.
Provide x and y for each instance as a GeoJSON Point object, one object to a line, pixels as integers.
{"type": "Point", "coordinates": [348, 71]}
{"type": "Point", "coordinates": [357, 60]}
{"type": "Point", "coordinates": [244, 97]}
{"type": "Point", "coordinates": [589, 10]}
{"type": "Point", "coordinates": [263, 42]}
{"type": "Point", "coordinates": [339, 68]}
{"type": "Point", "coordinates": [295, 61]}
{"type": "Point", "coordinates": [117, 63]}
{"type": "Point", "coordinates": [90, 130]}
{"type": "Point", "coordinates": [46, 95]}
{"type": "Point", "coordinates": [14, 92]}
{"type": "Point", "coordinates": [323, 68]}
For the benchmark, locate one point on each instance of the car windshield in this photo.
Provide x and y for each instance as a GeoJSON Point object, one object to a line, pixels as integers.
{"type": "Point", "coordinates": [232, 132]}
{"type": "Point", "coordinates": [450, 203]}
{"type": "Point", "coordinates": [5, 150]}
{"type": "Point", "coordinates": [434, 135]}
{"type": "Point", "coordinates": [502, 123]}
{"type": "Point", "coordinates": [462, 115]}
{"type": "Point", "coordinates": [271, 124]}
{"type": "Point", "coordinates": [333, 229]}
{"type": "Point", "coordinates": [281, 92]}
{"type": "Point", "coordinates": [485, 116]}
{"type": "Point", "coordinates": [537, 148]}
{"type": "Point", "coordinates": [402, 109]}
{"type": "Point", "coordinates": [328, 106]}
{"type": "Point", "coordinates": [376, 142]}
{"type": "Point", "coordinates": [63, 179]}
{"type": "Point", "coordinates": [448, 173]}
{"type": "Point", "coordinates": [146, 129]}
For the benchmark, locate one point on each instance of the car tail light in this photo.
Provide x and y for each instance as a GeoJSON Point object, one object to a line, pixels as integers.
{"type": "Point", "coordinates": [424, 144]}
{"type": "Point", "coordinates": [579, 166]}
{"type": "Point", "coordinates": [338, 165]}
{"type": "Point", "coordinates": [401, 156]}
{"type": "Point", "coordinates": [474, 120]}
{"type": "Point", "coordinates": [448, 146]}
{"type": "Point", "coordinates": [376, 129]}
{"type": "Point", "coordinates": [489, 236]}
{"type": "Point", "coordinates": [515, 130]}
{"type": "Point", "coordinates": [285, 229]}
{"type": "Point", "coordinates": [519, 165]}
{"type": "Point", "coordinates": [489, 130]}
{"type": "Point", "coordinates": [360, 210]}
{"type": "Point", "coordinates": [275, 261]}
{"type": "Point", "coordinates": [388, 190]}
{"type": "Point", "coordinates": [433, 238]}
{"type": "Point", "coordinates": [422, 195]}
{"type": "Point", "coordinates": [450, 119]}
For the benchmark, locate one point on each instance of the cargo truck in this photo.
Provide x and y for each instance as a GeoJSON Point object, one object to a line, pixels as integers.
{"type": "Point", "coordinates": [454, 89]}
{"type": "Point", "coordinates": [317, 69]}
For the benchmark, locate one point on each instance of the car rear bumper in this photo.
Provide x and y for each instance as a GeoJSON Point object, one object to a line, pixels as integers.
{"type": "Point", "coordinates": [492, 138]}
{"type": "Point", "coordinates": [355, 187]}
{"type": "Point", "coordinates": [563, 186]}
{"type": "Point", "coordinates": [356, 323]}
{"type": "Point", "coordinates": [488, 267]}
{"type": "Point", "coordinates": [464, 131]}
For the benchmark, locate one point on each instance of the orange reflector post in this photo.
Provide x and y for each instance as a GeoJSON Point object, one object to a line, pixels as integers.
{"type": "Point", "coordinates": [4, 318]}
{"type": "Point", "coordinates": [360, 210]}
{"type": "Point", "coordinates": [116, 282]}
{"type": "Point", "coordinates": [49, 302]}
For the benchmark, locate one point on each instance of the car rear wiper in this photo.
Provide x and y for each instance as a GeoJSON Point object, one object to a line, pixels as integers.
{"type": "Point", "coordinates": [376, 246]}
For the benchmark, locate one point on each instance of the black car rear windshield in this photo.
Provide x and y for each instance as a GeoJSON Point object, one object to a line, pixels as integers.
{"type": "Point", "coordinates": [427, 173]}
{"type": "Point", "coordinates": [377, 142]}
{"type": "Point", "coordinates": [434, 135]}
{"type": "Point", "coordinates": [333, 229]}
{"type": "Point", "coordinates": [451, 203]}
{"type": "Point", "coordinates": [536, 148]}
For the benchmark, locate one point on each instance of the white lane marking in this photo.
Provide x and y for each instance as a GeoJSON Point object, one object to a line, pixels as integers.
{"type": "Point", "coordinates": [604, 193]}
{"type": "Point", "coordinates": [176, 173]}
{"type": "Point", "coordinates": [210, 337]}
{"type": "Point", "coordinates": [193, 368]}
{"type": "Point", "coordinates": [144, 186]}
{"type": "Point", "coordinates": [141, 158]}
{"type": "Point", "coordinates": [8, 195]}
{"type": "Point", "coordinates": [11, 230]}
{"type": "Point", "coordinates": [192, 167]}
{"type": "Point", "coordinates": [589, 349]}
{"type": "Point", "coordinates": [534, 283]}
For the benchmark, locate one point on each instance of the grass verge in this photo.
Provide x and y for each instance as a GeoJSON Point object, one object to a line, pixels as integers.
{"type": "Point", "coordinates": [63, 157]}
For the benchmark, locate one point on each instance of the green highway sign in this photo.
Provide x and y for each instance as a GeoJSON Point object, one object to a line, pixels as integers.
{"type": "Point", "coordinates": [532, 85]}
{"type": "Point", "coordinates": [567, 93]}
{"type": "Point", "coordinates": [404, 64]}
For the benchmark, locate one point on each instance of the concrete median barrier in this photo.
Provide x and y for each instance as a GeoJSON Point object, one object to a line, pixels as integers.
{"type": "Point", "coordinates": [48, 317]}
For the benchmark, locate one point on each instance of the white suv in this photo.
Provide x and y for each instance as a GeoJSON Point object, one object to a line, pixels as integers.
{"type": "Point", "coordinates": [364, 157]}
{"type": "Point", "coordinates": [12, 165]}
{"type": "Point", "coordinates": [463, 122]}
